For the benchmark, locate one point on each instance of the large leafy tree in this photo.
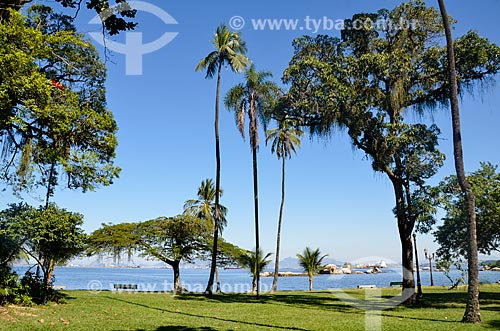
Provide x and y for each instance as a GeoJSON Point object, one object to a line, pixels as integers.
{"type": "Point", "coordinates": [367, 81]}
{"type": "Point", "coordinates": [172, 240]}
{"type": "Point", "coordinates": [256, 263]}
{"type": "Point", "coordinates": [115, 18]}
{"type": "Point", "coordinates": [49, 235]}
{"type": "Point", "coordinates": [253, 99]}
{"type": "Point", "coordinates": [452, 234]}
{"type": "Point", "coordinates": [229, 49]}
{"type": "Point", "coordinates": [311, 261]}
{"type": "Point", "coordinates": [472, 313]}
{"type": "Point", "coordinates": [285, 139]}
{"type": "Point", "coordinates": [167, 239]}
{"type": "Point", "coordinates": [53, 116]}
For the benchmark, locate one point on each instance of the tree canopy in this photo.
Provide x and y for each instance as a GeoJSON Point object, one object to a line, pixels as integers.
{"type": "Point", "coordinates": [366, 81]}
{"type": "Point", "coordinates": [49, 235]}
{"type": "Point", "coordinates": [115, 19]}
{"type": "Point", "coordinates": [452, 234]}
{"type": "Point", "coordinates": [53, 115]}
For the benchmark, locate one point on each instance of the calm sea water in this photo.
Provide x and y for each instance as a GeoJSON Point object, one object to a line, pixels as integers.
{"type": "Point", "coordinates": [149, 279]}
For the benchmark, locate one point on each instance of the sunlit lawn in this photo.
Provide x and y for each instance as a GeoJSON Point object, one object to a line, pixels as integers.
{"type": "Point", "coordinates": [440, 310]}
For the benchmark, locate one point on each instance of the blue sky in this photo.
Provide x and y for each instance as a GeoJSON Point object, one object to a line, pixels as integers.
{"type": "Point", "coordinates": [166, 145]}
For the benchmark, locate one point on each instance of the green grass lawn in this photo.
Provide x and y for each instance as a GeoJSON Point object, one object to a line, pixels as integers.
{"type": "Point", "coordinates": [440, 309]}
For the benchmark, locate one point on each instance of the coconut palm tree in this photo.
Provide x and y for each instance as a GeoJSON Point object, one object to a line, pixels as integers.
{"type": "Point", "coordinates": [204, 207]}
{"type": "Point", "coordinates": [311, 262]}
{"type": "Point", "coordinates": [253, 98]}
{"type": "Point", "coordinates": [229, 50]}
{"type": "Point", "coordinates": [472, 311]}
{"type": "Point", "coordinates": [284, 139]}
{"type": "Point", "coordinates": [248, 260]}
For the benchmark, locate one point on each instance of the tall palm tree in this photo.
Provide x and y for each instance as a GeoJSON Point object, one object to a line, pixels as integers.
{"type": "Point", "coordinates": [229, 50]}
{"type": "Point", "coordinates": [248, 260]}
{"type": "Point", "coordinates": [204, 206]}
{"type": "Point", "coordinates": [285, 140]}
{"type": "Point", "coordinates": [311, 262]}
{"type": "Point", "coordinates": [254, 98]}
{"type": "Point", "coordinates": [472, 312]}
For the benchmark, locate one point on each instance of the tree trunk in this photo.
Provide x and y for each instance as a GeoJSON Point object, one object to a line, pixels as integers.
{"type": "Point", "coordinates": [217, 280]}
{"type": "Point", "coordinates": [47, 277]}
{"type": "Point", "coordinates": [310, 283]}
{"type": "Point", "coordinates": [472, 312]}
{"type": "Point", "coordinates": [254, 284]}
{"type": "Point", "coordinates": [432, 278]}
{"type": "Point", "coordinates": [417, 266]}
{"type": "Point", "coordinates": [409, 296]}
{"type": "Point", "coordinates": [405, 228]}
{"type": "Point", "coordinates": [210, 284]}
{"type": "Point", "coordinates": [50, 183]}
{"type": "Point", "coordinates": [278, 237]}
{"type": "Point", "coordinates": [256, 213]}
{"type": "Point", "coordinates": [177, 277]}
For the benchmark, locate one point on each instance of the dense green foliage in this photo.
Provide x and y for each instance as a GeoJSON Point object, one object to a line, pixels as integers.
{"type": "Point", "coordinates": [366, 81]}
{"type": "Point", "coordinates": [48, 235]}
{"type": "Point", "coordinates": [53, 116]}
{"type": "Point", "coordinates": [114, 240]}
{"type": "Point", "coordinates": [116, 18]}
{"type": "Point", "coordinates": [452, 234]}
{"type": "Point", "coordinates": [167, 239]}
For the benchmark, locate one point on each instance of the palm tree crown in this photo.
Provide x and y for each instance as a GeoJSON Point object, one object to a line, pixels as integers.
{"type": "Point", "coordinates": [229, 49]}
{"type": "Point", "coordinates": [248, 260]}
{"type": "Point", "coordinates": [255, 97]}
{"type": "Point", "coordinates": [311, 262]}
{"type": "Point", "coordinates": [285, 139]}
{"type": "Point", "coordinates": [204, 206]}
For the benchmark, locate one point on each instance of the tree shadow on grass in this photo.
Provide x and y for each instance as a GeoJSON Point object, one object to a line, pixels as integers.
{"type": "Point", "coordinates": [488, 300]}
{"type": "Point", "coordinates": [355, 303]}
{"type": "Point", "coordinates": [182, 328]}
{"type": "Point", "coordinates": [495, 325]}
{"type": "Point", "coordinates": [311, 300]}
{"type": "Point", "coordinates": [275, 327]}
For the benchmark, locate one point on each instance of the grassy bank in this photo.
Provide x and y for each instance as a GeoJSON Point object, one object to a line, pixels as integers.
{"type": "Point", "coordinates": [439, 310]}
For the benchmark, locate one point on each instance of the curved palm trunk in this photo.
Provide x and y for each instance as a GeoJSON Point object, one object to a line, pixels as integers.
{"type": "Point", "coordinates": [310, 282]}
{"type": "Point", "coordinates": [256, 212]}
{"type": "Point", "coordinates": [472, 312]}
{"type": "Point", "coordinates": [210, 284]}
{"type": "Point", "coordinates": [280, 220]}
{"type": "Point", "coordinates": [217, 280]}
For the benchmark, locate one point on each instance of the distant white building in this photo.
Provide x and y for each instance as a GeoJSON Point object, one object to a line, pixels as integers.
{"type": "Point", "coordinates": [382, 264]}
